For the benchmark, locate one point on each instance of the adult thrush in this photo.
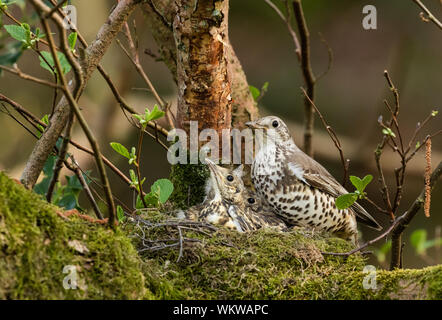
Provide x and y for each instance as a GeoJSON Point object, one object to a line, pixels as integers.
{"type": "Point", "coordinates": [298, 188]}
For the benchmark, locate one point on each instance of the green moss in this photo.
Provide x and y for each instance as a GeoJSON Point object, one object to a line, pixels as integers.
{"type": "Point", "coordinates": [36, 244]}
{"type": "Point", "coordinates": [260, 265]}
{"type": "Point", "coordinates": [188, 181]}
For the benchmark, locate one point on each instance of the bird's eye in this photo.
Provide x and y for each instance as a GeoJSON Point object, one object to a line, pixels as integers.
{"type": "Point", "coordinates": [251, 200]}
{"type": "Point", "coordinates": [275, 123]}
{"type": "Point", "coordinates": [230, 178]}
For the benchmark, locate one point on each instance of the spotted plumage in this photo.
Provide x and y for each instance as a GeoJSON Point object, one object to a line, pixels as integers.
{"type": "Point", "coordinates": [261, 215]}
{"type": "Point", "coordinates": [298, 188]}
{"type": "Point", "coordinates": [230, 204]}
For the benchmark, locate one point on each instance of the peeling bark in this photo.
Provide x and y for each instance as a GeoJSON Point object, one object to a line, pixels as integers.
{"type": "Point", "coordinates": [203, 82]}
{"type": "Point", "coordinates": [160, 16]}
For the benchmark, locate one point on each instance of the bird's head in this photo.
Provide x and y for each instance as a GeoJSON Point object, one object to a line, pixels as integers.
{"type": "Point", "coordinates": [227, 183]}
{"type": "Point", "coordinates": [252, 201]}
{"type": "Point", "coordinates": [273, 128]}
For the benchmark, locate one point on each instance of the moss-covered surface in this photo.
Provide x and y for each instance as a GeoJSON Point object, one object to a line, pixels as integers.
{"type": "Point", "coordinates": [188, 181]}
{"type": "Point", "coordinates": [36, 244]}
{"type": "Point", "coordinates": [266, 265]}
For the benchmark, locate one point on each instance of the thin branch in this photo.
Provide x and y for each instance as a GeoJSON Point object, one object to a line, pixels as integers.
{"type": "Point", "coordinates": [57, 7]}
{"type": "Point", "coordinates": [6, 111]}
{"type": "Point", "coordinates": [25, 76]}
{"type": "Point", "coordinates": [143, 75]}
{"type": "Point", "coordinates": [126, 106]}
{"type": "Point", "coordinates": [308, 75]}
{"type": "Point", "coordinates": [422, 144]}
{"type": "Point", "coordinates": [332, 135]}
{"type": "Point", "coordinates": [289, 27]}
{"type": "Point", "coordinates": [93, 55]}
{"type": "Point", "coordinates": [76, 169]}
{"type": "Point", "coordinates": [419, 127]}
{"type": "Point", "coordinates": [376, 206]}
{"type": "Point", "coordinates": [61, 158]}
{"type": "Point", "coordinates": [34, 120]}
{"type": "Point", "coordinates": [73, 104]}
{"type": "Point", "coordinates": [111, 85]}
{"type": "Point", "coordinates": [399, 225]}
{"type": "Point", "coordinates": [330, 57]}
{"type": "Point", "coordinates": [137, 165]}
{"type": "Point", "coordinates": [430, 16]}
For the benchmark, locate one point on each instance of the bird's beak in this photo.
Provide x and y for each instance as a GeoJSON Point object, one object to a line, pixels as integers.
{"type": "Point", "coordinates": [211, 164]}
{"type": "Point", "coordinates": [214, 169]}
{"type": "Point", "coordinates": [254, 125]}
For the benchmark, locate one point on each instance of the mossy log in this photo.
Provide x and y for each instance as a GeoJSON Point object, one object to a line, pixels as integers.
{"type": "Point", "coordinates": [37, 242]}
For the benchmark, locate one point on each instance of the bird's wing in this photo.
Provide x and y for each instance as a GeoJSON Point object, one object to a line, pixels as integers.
{"type": "Point", "coordinates": [318, 177]}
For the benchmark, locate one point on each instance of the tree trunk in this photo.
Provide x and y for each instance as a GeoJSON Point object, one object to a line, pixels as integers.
{"type": "Point", "coordinates": [193, 40]}
{"type": "Point", "coordinates": [159, 18]}
{"type": "Point", "coordinates": [202, 77]}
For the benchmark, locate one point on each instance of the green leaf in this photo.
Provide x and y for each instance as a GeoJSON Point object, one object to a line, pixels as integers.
{"type": "Point", "coordinates": [366, 180]}
{"type": "Point", "coordinates": [73, 183]}
{"type": "Point", "coordinates": [155, 114]}
{"type": "Point", "coordinates": [48, 168]}
{"type": "Point", "coordinates": [133, 177]}
{"type": "Point", "coordinates": [45, 119]}
{"type": "Point", "coordinates": [72, 39]}
{"type": "Point", "coordinates": [357, 182]}
{"type": "Point", "coordinates": [434, 113]}
{"type": "Point", "coordinates": [151, 199]}
{"type": "Point", "coordinates": [418, 239]}
{"type": "Point", "coordinates": [118, 147]}
{"type": "Point", "coordinates": [388, 132]}
{"type": "Point", "coordinates": [120, 214]}
{"type": "Point", "coordinates": [265, 86]}
{"type": "Point", "coordinates": [43, 186]}
{"type": "Point", "coordinates": [346, 200]}
{"type": "Point", "coordinates": [255, 92]}
{"type": "Point", "coordinates": [164, 188]}
{"type": "Point", "coordinates": [65, 66]}
{"type": "Point", "coordinates": [17, 32]}
{"type": "Point", "coordinates": [68, 201]}
{"type": "Point", "coordinates": [361, 184]}
{"type": "Point", "coordinates": [139, 204]}
{"type": "Point", "coordinates": [140, 118]}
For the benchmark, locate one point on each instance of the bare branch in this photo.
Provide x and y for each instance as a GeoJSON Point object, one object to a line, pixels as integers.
{"type": "Point", "coordinates": [289, 27]}
{"type": "Point", "coordinates": [430, 16]}
{"type": "Point", "coordinates": [333, 136]}
{"type": "Point", "coordinates": [93, 55]}
{"type": "Point", "coordinates": [309, 77]}
{"type": "Point", "coordinates": [25, 76]}
{"type": "Point", "coordinates": [401, 222]}
{"type": "Point", "coordinates": [74, 106]}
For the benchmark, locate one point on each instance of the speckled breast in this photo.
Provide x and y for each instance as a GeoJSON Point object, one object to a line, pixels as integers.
{"type": "Point", "coordinates": [300, 204]}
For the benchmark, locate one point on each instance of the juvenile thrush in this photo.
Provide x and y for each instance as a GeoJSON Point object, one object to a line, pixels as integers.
{"type": "Point", "coordinates": [297, 187]}
{"type": "Point", "coordinates": [230, 204]}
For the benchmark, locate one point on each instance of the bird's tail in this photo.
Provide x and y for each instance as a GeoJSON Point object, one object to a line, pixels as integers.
{"type": "Point", "coordinates": [364, 217]}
